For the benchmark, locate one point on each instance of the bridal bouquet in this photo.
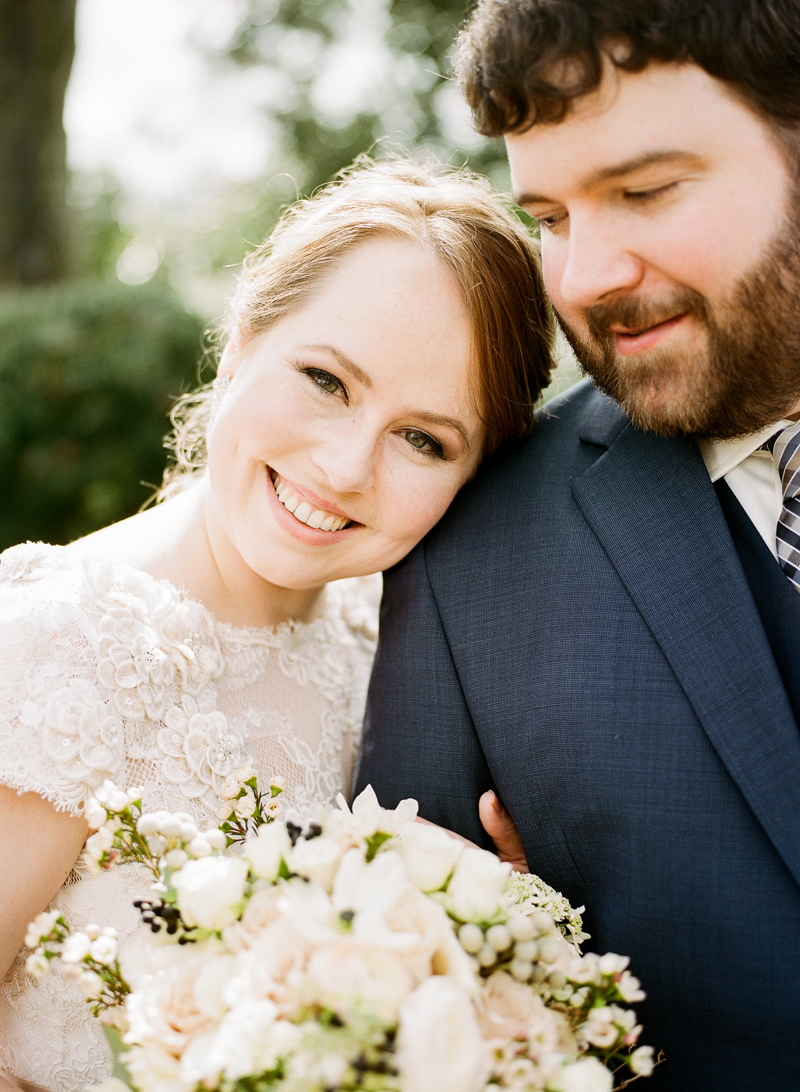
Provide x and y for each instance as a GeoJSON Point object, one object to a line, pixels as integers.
{"type": "Point", "coordinates": [368, 952]}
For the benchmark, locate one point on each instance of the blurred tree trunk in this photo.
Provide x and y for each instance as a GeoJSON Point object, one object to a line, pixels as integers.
{"type": "Point", "coordinates": [37, 43]}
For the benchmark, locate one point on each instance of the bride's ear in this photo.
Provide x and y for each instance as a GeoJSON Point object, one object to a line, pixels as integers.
{"type": "Point", "coordinates": [231, 356]}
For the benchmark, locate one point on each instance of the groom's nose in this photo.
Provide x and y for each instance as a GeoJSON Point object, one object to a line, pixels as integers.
{"type": "Point", "coordinates": [593, 264]}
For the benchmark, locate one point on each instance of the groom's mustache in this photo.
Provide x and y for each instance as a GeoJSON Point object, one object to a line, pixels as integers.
{"type": "Point", "coordinates": [634, 313]}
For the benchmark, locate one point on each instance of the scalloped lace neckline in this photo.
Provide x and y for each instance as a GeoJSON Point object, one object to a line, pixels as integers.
{"type": "Point", "coordinates": [278, 635]}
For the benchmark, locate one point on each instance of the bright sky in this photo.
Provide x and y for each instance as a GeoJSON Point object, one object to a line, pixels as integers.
{"type": "Point", "coordinates": [144, 103]}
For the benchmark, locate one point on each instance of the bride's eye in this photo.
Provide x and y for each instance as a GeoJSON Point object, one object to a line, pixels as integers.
{"type": "Point", "coordinates": [325, 381]}
{"type": "Point", "coordinates": [423, 442]}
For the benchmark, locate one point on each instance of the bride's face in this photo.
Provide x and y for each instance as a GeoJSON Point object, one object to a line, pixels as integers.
{"type": "Point", "coordinates": [349, 425]}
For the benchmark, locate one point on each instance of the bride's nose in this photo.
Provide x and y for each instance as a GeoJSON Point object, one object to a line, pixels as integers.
{"type": "Point", "coordinates": [346, 456]}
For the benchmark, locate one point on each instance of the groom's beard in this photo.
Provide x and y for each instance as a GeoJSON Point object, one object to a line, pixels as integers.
{"type": "Point", "coordinates": [745, 374]}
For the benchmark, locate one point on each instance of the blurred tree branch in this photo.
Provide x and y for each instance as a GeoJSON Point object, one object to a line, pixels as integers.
{"type": "Point", "coordinates": [37, 44]}
{"type": "Point", "coordinates": [397, 50]}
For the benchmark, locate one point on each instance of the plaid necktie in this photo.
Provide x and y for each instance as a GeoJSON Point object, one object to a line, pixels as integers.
{"type": "Point", "coordinates": [786, 456]}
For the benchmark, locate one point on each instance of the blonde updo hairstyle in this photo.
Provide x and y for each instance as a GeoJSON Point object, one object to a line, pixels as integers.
{"type": "Point", "coordinates": [453, 213]}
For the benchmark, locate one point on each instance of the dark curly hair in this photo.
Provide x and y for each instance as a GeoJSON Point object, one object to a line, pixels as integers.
{"type": "Point", "coordinates": [520, 62]}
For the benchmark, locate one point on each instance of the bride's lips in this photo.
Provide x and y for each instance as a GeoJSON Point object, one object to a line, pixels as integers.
{"type": "Point", "coordinates": [311, 536]}
{"type": "Point", "coordinates": [629, 342]}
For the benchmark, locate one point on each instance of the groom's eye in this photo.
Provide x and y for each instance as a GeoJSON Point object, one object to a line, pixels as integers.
{"type": "Point", "coordinates": [550, 223]}
{"type": "Point", "coordinates": [650, 194]}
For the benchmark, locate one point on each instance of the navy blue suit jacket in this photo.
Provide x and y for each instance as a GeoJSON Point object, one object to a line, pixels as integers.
{"type": "Point", "coordinates": [578, 633]}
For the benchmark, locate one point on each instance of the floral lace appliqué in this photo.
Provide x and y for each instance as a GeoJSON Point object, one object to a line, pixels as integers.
{"type": "Point", "coordinates": [108, 673]}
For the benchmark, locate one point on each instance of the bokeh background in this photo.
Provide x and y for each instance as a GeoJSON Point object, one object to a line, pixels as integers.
{"type": "Point", "coordinates": [147, 145]}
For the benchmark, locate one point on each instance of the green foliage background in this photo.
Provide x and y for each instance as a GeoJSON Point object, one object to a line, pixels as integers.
{"type": "Point", "coordinates": [87, 372]}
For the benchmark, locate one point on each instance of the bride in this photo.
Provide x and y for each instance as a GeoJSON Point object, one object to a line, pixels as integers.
{"type": "Point", "coordinates": [390, 334]}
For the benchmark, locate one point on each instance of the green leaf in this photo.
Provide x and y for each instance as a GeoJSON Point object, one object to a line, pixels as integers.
{"type": "Point", "coordinates": [374, 843]}
{"type": "Point", "coordinates": [118, 1048]}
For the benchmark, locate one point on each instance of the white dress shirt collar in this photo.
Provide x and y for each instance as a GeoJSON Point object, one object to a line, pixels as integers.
{"type": "Point", "coordinates": [721, 456]}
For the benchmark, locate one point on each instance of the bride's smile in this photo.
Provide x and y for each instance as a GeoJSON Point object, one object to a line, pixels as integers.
{"type": "Point", "coordinates": [312, 512]}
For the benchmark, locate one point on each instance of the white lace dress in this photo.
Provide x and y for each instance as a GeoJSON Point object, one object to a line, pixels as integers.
{"type": "Point", "coordinates": [108, 673]}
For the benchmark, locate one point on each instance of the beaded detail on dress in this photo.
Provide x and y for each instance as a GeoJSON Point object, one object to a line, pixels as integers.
{"type": "Point", "coordinates": [106, 672]}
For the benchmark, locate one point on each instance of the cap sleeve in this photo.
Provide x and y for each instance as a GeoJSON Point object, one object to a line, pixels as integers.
{"type": "Point", "coordinates": [58, 736]}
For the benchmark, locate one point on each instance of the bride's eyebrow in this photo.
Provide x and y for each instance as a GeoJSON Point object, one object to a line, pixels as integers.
{"type": "Point", "coordinates": [344, 361]}
{"type": "Point", "coordinates": [442, 419]}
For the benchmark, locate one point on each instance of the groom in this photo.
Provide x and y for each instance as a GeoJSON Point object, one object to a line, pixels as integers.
{"type": "Point", "coordinates": [606, 627]}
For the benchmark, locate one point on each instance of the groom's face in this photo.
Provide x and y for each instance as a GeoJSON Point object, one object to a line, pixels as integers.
{"type": "Point", "coordinates": [671, 248]}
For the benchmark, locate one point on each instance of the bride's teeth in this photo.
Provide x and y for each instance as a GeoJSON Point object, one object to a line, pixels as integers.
{"type": "Point", "coordinates": [302, 510]}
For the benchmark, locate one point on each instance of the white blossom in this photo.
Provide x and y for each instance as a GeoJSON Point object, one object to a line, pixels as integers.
{"type": "Point", "coordinates": [429, 854]}
{"type": "Point", "coordinates": [95, 814]}
{"type": "Point", "coordinates": [37, 964]}
{"type": "Point", "coordinates": [41, 926]}
{"type": "Point", "coordinates": [641, 1061]}
{"type": "Point", "coordinates": [585, 1075]}
{"type": "Point", "coordinates": [104, 949]}
{"type": "Point", "coordinates": [317, 859]}
{"type": "Point", "coordinates": [476, 891]}
{"type": "Point", "coordinates": [76, 948]}
{"type": "Point", "coordinates": [210, 890]}
{"type": "Point", "coordinates": [267, 849]}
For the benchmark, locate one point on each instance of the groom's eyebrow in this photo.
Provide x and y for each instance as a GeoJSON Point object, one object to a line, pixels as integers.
{"type": "Point", "coordinates": [620, 170]}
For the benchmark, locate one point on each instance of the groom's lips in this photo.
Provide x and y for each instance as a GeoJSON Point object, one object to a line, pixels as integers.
{"type": "Point", "coordinates": [630, 341]}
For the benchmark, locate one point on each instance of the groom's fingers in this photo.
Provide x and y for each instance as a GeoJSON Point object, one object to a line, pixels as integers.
{"type": "Point", "coordinates": [500, 827]}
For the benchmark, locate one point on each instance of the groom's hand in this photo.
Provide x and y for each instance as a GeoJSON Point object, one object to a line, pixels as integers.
{"type": "Point", "coordinates": [500, 827]}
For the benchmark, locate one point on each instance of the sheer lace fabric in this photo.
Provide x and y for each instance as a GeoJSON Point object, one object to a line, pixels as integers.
{"type": "Point", "coordinates": [108, 673]}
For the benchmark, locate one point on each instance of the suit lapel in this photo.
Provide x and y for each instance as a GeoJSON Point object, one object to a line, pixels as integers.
{"type": "Point", "coordinates": [652, 506]}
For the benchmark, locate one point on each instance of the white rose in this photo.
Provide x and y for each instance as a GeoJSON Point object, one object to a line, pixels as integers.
{"type": "Point", "coordinates": [210, 890]}
{"type": "Point", "coordinates": [437, 949]}
{"type": "Point", "coordinates": [510, 1010]}
{"type": "Point", "coordinates": [265, 852]}
{"type": "Point", "coordinates": [352, 977]}
{"type": "Point", "coordinates": [475, 892]}
{"type": "Point", "coordinates": [154, 1069]}
{"type": "Point", "coordinates": [260, 912]}
{"type": "Point", "coordinates": [586, 1075]}
{"type": "Point", "coordinates": [429, 854]}
{"type": "Point", "coordinates": [211, 982]}
{"type": "Point", "coordinates": [440, 1045]}
{"type": "Point", "coordinates": [317, 860]}
{"type": "Point", "coordinates": [166, 1006]}
{"type": "Point", "coordinates": [242, 1045]}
